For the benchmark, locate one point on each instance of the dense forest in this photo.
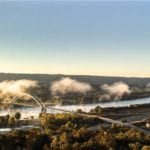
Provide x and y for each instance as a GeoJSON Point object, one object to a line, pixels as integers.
{"type": "Point", "coordinates": [68, 131]}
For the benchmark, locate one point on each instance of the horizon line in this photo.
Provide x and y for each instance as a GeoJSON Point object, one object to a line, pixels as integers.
{"type": "Point", "coordinates": [62, 74]}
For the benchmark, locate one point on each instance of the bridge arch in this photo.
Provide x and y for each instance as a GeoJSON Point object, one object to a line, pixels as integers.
{"type": "Point", "coordinates": [36, 99]}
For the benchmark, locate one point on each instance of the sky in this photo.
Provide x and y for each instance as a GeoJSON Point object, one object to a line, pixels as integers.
{"type": "Point", "coordinates": [105, 38]}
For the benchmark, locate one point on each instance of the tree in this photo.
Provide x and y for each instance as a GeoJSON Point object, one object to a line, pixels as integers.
{"type": "Point", "coordinates": [98, 110]}
{"type": "Point", "coordinates": [17, 115]}
{"type": "Point", "coordinates": [146, 148]}
{"type": "Point", "coordinates": [38, 142]}
{"type": "Point", "coordinates": [79, 111]}
{"type": "Point", "coordinates": [11, 121]}
{"type": "Point", "coordinates": [76, 146]}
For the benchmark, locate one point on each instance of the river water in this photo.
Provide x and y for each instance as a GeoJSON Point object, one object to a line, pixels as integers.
{"type": "Point", "coordinates": [28, 112]}
{"type": "Point", "coordinates": [87, 107]}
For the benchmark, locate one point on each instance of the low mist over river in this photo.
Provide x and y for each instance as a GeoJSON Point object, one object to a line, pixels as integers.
{"type": "Point", "coordinates": [28, 112]}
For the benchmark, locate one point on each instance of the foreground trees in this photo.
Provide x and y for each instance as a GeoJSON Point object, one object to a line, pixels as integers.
{"type": "Point", "coordinates": [10, 121]}
{"type": "Point", "coordinates": [17, 115]}
{"type": "Point", "coordinates": [70, 132]}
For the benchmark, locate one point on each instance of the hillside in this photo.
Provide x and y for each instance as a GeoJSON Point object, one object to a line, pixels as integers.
{"type": "Point", "coordinates": [48, 78]}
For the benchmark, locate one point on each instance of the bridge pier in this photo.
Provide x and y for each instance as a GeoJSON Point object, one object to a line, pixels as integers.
{"type": "Point", "coordinates": [43, 110]}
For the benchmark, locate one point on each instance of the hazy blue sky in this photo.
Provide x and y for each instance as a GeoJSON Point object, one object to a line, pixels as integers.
{"type": "Point", "coordinates": [95, 38]}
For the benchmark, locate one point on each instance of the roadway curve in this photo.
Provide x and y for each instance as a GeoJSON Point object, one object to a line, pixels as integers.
{"type": "Point", "coordinates": [108, 120]}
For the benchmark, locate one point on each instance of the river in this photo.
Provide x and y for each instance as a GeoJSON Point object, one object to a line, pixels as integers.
{"type": "Point", "coordinates": [87, 107]}
{"type": "Point", "coordinates": [27, 112]}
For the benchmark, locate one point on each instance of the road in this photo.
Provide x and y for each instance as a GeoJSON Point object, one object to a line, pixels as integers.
{"type": "Point", "coordinates": [108, 120]}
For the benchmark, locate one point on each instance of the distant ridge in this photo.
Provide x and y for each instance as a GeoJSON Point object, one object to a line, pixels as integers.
{"type": "Point", "coordinates": [48, 78]}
